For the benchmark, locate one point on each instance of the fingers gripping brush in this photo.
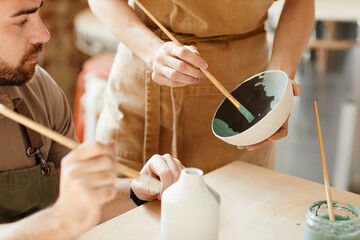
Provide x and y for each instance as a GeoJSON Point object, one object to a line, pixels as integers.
{"type": "Point", "coordinates": [245, 112]}
{"type": "Point", "coordinates": [147, 180]}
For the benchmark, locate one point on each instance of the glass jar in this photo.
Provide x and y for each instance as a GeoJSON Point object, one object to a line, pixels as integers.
{"type": "Point", "coordinates": [345, 227]}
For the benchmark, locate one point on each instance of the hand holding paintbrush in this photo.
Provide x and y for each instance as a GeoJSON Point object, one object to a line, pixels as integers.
{"type": "Point", "coordinates": [245, 112]}
{"type": "Point", "coordinates": [148, 181]}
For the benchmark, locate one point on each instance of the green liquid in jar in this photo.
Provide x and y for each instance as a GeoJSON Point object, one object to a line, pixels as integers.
{"type": "Point", "coordinates": [345, 227]}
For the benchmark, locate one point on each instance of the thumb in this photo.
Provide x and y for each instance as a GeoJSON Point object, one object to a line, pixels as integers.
{"type": "Point", "coordinates": [296, 88]}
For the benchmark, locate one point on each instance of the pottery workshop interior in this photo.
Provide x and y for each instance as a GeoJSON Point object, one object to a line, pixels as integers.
{"type": "Point", "coordinates": [180, 119]}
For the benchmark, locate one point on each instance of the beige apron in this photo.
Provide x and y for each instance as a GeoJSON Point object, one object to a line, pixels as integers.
{"type": "Point", "coordinates": [145, 118]}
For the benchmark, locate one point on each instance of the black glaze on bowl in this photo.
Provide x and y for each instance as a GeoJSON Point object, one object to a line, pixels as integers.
{"type": "Point", "coordinates": [228, 121]}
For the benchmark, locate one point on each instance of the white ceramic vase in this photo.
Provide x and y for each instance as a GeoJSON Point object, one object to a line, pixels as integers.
{"type": "Point", "coordinates": [190, 209]}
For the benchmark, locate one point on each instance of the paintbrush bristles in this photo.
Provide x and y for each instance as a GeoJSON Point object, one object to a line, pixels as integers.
{"type": "Point", "coordinates": [152, 183]}
{"type": "Point", "coordinates": [323, 162]}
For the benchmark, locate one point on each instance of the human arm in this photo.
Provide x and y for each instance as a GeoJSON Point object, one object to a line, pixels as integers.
{"type": "Point", "coordinates": [87, 182]}
{"type": "Point", "coordinates": [172, 65]}
{"type": "Point", "coordinates": [291, 38]}
{"type": "Point", "coordinates": [163, 167]}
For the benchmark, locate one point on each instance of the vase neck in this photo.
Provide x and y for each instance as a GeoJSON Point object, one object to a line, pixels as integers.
{"type": "Point", "coordinates": [192, 177]}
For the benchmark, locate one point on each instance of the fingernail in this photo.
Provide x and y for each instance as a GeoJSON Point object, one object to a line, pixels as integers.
{"type": "Point", "coordinates": [202, 76]}
{"type": "Point", "coordinates": [240, 147]}
{"type": "Point", "coordinates": [196, 80]}
{"type": "Point", "coordinates": [203, 65]}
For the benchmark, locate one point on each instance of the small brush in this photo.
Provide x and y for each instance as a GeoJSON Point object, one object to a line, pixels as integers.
{"type": "Point", "coordinates": [323, 162]}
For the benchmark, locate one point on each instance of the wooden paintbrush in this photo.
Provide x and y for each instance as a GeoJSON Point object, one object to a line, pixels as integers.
{"type": "Point", "coordinates": [148, 181]}
{"type": "Point", "coordinates": [323, 162]}
{"type": "Point", "coordinates": [246, 113]}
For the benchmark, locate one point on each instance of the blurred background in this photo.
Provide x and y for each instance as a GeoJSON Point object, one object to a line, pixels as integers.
{"type": "Point", "coordinates": [61, 58]}
{"type": "Point", "coordinates": [81, 50]}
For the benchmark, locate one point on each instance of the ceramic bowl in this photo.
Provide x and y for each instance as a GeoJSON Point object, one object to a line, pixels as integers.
{"type": "Point", "coordinates": [268, 96]}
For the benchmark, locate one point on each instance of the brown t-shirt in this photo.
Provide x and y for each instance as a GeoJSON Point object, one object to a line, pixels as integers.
{"type": "Point", "coordinates": [48, 106]}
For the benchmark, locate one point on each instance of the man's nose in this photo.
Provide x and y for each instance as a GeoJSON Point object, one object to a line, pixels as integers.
{"type": "Point", "coordinates": [39, 34]}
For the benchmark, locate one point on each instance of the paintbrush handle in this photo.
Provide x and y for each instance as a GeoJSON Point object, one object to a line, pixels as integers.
{"type": "Point", "coordinates": [37, 127]}
{"type": "Point", "coordinates": [323, 162]}
{"type": "Point", "coordinates": [159, 24]}
{"type": "Point", "coordinates": [221, 88]}
{"type": "Point", "coordinates": [217, 84]}
{"type": "Point", "coordinates": [129, 172]}
{"type": "Point", "coordinates": [63, 140]}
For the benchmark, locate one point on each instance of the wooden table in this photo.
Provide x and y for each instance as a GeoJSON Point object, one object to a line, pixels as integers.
{"type": "Point", "coordinates": [256, 203]}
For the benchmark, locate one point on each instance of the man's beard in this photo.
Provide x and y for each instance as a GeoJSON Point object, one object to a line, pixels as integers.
{"type": "Point", "coordinates": [20, 74]}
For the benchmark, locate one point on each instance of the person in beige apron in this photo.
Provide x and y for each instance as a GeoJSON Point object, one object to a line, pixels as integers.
{"type": "Point", "coordinates": [146, 116]}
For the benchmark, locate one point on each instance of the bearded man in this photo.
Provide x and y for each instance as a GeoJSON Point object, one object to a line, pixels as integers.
{"type": "Point", "coordinates": [32, 203]}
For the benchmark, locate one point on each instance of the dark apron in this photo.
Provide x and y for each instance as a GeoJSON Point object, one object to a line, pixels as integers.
{"type": "Point", "coordinates": [25, 191]}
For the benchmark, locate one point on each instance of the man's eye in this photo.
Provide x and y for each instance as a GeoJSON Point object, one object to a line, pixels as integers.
{"type": "Point", "coordinates": [22, 22]}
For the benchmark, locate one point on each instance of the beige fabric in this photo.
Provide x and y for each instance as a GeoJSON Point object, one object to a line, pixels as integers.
{"type": "Point", "coordinates": [204, 18]}
{"type": "Point", "coordinates": [138, 112]}
{"type": "Point", "coordinates": [48, 106]}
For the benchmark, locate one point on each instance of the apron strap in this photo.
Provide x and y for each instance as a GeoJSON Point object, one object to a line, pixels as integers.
{"type": "Point", "coordinates": [189, 39]}
{"type": "Point", "coordinates": [152, 117]}
{"type": "Point", "coordinates": [35, 139]}
{"type": "Point", "coordinates": [174, 150]}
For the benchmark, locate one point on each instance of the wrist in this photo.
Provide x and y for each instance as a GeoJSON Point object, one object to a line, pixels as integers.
{"type": "Point", "coordinates": [290, 72]}
{"type": "Point", "coordinates": [155, 49]}
{"type": "Point", "coordinates": [135, 199]}
{"type": "Point", "coordinates": [60, 220]}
